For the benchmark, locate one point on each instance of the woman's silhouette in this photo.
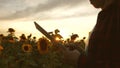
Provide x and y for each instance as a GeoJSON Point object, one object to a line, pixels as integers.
{"type": "Point", "coordinates": [104, 43]}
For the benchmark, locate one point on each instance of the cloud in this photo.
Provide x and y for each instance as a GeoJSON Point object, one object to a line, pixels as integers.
{"type": "Point", "coordinates": [48, 17]}
{"type": "Point", "coordinates": [23, 11]}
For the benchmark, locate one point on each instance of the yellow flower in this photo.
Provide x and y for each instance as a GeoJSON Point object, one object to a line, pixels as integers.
{"type": "Point", "coordinates": [11, 41]}
{"type": "Point", "coordinates": [42, 45]}
{"type": "Point", "coordinates": [27, 48]}
{"type": "Point", "coordinates": [1, 48]}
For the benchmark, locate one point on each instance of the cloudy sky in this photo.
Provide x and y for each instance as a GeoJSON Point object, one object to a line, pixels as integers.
{"type": "Point", "coordinates": [69, 16]}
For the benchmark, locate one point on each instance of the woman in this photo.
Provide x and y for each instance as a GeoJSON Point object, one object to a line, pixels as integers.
{"type": "Point", "coordinates": [104, 43]}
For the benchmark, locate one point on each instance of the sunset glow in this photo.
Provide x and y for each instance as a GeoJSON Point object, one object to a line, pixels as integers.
{"type": "Point", "coordinates": [69, 18]}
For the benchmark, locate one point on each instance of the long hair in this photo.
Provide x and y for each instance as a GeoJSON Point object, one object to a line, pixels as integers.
{"type": "Point", "coordinates": [103, 4]}
{"type": "Point", "coordinates": [107, 3]}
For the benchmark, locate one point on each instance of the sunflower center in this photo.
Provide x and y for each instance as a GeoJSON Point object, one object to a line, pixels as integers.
{"type": "Point", "coordinates": [26, 48]}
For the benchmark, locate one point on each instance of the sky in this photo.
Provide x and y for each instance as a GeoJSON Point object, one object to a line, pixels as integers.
{"type": "Point", "coordinates": [69, 16]}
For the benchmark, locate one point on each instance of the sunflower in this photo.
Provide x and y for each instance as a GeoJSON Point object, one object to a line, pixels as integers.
{"type": "Point", "coordinates": [1, 48]}
{"type": "Point", "coordinates": [27, 48]}
{"type": "Point", "coordinates": [42, 45]}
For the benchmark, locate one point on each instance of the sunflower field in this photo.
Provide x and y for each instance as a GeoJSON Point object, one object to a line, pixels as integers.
{"type": "Point", "coordinates": [31, 55]}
